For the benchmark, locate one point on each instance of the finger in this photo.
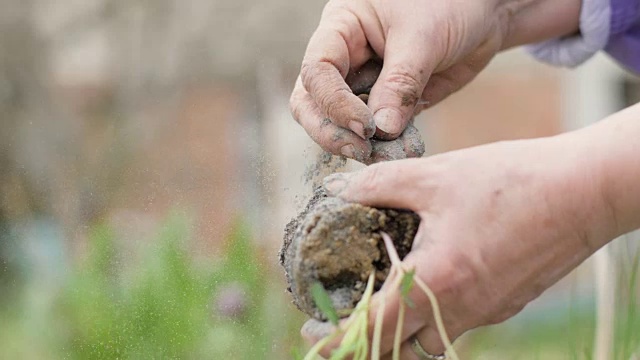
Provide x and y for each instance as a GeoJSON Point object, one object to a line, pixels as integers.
{"type": "Point", "coordinates": [406, 353]}
{"type": "Point", "coordinates": [326, 64]}
{"type": "Point", "coordinates": [404, 75]}
{"type": "Point", "coordinates": [313, 330]}
{"type": "Point", "coordinates": [443, 84]}
{"type": "Point", "coordinates": [425, 337]}
{"type": "Point", "coordinates": [388, 184]}
{"type": "Point", "coordinates": [413, 320]}
{"type": "Point", "coordinates": [328, 135]}
{"type": "Point", "coordinates": [452, 79]}
{"type": "Point", "coordinates": [430, 340]}
{"type": "Point", "coordinates": [408, 145]}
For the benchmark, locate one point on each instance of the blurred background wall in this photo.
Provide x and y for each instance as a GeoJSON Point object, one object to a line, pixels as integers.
{"type": "Point", "coordinates": [119, 112]}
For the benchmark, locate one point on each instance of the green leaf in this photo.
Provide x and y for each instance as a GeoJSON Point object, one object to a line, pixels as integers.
{"type": "Point", "coordinates": [324, 303]}
{"type": "Point", "coordinates": [405, 287]}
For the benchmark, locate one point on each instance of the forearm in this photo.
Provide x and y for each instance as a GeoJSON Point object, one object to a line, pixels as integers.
{"type": "Point", "coordinates": [531, 21]}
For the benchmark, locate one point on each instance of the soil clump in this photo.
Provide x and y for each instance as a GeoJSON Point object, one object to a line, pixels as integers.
{"type": "Point", "coordinates": [338, 244]}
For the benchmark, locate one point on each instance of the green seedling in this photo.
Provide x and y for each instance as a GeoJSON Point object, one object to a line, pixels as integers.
{"type": "Point", "coordinates": [323, 302]}
{"type": "Point", "coordinates": [355, 342]}
{"type": "Point", "coordinates": [406, 286]}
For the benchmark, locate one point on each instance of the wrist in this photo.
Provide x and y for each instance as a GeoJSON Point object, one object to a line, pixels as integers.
{"type": "Point", "coordinates": [532, 21]}
{"type": "Point", "coordinates": [575, 189]}
{"type": "Point", "coordinates": [612, 145]}
{"type": "Point", "coordinates": [603, 168]}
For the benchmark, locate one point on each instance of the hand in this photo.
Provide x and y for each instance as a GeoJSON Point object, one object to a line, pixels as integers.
{"type": "Point", "coordinates": [430, 48]}
{"type": "Point", "coordinates": [500, 224]}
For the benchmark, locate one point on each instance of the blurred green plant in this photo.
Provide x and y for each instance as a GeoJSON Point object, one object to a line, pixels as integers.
{"type": "Point", "coordinates": [627, 331]}
{"type": "Point", "coordinates": [154, 299]}
{"type": "Point", "coordinates": [162, 303]}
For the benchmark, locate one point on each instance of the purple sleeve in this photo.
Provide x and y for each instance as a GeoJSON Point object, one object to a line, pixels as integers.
{"type": "Point", "coordinates": [571, 51]}
{"type": "Point", "coordinates": [624, 36]}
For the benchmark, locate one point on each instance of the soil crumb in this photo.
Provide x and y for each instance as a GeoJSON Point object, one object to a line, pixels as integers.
{"type": "Point", "coordinates": [338, 244]}
{"type": "Point", "coordinates": [324, 165]}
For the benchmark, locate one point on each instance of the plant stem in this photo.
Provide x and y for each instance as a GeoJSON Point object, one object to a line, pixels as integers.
{"type": "Point", "coordinates": [395, 262]}
{"type": "Point", "coordinates": [377, 331]}
{"type": "Point", "coordinates": [398, 336]}
{"type": "Point", "coordinates": [315, 350]}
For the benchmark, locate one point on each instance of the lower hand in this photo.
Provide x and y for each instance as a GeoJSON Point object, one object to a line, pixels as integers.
{"type": "Point", "coordinates": [501, 223]}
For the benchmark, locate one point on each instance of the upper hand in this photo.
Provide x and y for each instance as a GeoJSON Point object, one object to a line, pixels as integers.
{"type": "Point", "coordinates": [430, 48]}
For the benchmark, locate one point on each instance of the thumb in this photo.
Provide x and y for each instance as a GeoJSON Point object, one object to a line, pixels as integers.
{"type": "Point", "coordinates": [405, 73]}
{"type": "Point", "coordinates": [389, 184]}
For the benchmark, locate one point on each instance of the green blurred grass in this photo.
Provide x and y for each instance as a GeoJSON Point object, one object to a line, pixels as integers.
{"type": "Point", "coordinates": [162, 306]}
{"type": "Point", "coordinates": [161, 302]}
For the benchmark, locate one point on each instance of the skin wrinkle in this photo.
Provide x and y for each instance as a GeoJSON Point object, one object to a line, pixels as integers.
{"type": "Point", "coordinates": [335, 102]}
{"type": "Point", "coordinates": [310, 69]}
{"type": "Point", "coordinates": [409, 100]}
{"type": "Point", "coordinates": [408, 85]}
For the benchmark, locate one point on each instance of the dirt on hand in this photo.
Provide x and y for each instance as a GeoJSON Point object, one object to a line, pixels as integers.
{"type": "Point", "coordinates": [338, 244]}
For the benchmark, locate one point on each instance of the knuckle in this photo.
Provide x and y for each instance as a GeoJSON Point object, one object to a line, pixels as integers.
{"type": "Point", "coordinates": [406, 84]}
{"type": "Point", "coordinates": [372, 179]}
{"type": "Point", "coordinates": [334, 103]}
{"type": "Point", "coordinates": [307, 71]}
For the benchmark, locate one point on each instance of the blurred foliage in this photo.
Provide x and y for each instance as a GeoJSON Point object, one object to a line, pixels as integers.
{"type": "Point", "coordinates": [163, 305]}
{"type": "Point", "coordinates": [156, 299]}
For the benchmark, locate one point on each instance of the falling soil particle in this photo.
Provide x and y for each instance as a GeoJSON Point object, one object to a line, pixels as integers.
{"type": "Point", "coordinates": [325, 164]}
{"type": "Point", "coordinates": [338, 244]}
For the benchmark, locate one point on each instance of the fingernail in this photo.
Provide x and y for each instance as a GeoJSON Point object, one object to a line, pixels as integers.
{"type": "Point", "coordinates": [334, 184]}
{"type": "Point", "coordinates": [370, 129]}
{"type": "Point", "coordinates": [357, 128]}
{"type": "Point", "coordinates": [348, 151]}
{"type": "Point", "coordinates": [388, 121]}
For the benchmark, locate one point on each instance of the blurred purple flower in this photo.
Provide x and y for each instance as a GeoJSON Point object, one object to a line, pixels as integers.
{"type": "Point", "coordinates": [231, 301]}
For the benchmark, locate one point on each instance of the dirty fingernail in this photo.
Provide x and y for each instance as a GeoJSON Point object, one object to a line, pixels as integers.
{"type": "Point", "coordinates": [334, 184]}
{"type": "Point", "coordinates": [348, 151]}
{"type": "Point", "coordinates": [357, 128]}
{"type": "Point", "coordinates": [388, 121]}
{"type": "Point", "coordinates": [370, 129]}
